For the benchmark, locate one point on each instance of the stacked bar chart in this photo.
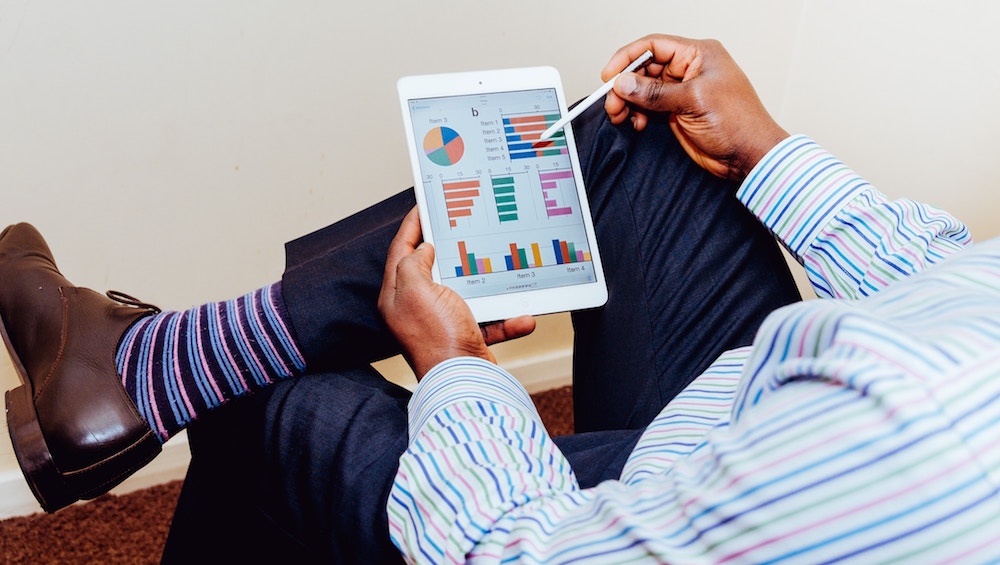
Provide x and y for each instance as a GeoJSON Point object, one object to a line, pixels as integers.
{"type": "Point", "coordinates": [523, 133]}
{"type": "Point", "coordinates": [458, 198]}
{"type": "Point", "coordinates": [552, 191]}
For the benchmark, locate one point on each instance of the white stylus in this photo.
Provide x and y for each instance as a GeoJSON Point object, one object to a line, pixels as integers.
{"type": "Point", "coordinates": [597, 95]}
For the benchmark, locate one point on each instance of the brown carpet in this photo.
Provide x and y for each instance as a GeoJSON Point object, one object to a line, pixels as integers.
{"type": "Point", "coordinates": [132, 528]}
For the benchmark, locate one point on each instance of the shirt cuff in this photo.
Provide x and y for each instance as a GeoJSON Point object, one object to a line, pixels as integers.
{"type": "Point", "coordinates": [463, 379]}
{"type": "Point", "coordinates": [797, 189]}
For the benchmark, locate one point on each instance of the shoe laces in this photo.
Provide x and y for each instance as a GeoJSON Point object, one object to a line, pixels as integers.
{"type": "Point", "coordinates": [128, 300]}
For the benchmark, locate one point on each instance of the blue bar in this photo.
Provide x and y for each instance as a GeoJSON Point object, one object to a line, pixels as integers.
{"type": "Point", "coordinates": [510, 262]}
{"type": "Point", "coordinates": [523, 155]}
{"type": "Point", "coordinates": [458, 271]}
{"type": "Point", "coordinates": [518, 146]}
{"type": "Point", "coordinates": [558, 249]}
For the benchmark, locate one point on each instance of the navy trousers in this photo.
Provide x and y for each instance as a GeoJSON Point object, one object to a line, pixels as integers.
{"type": "Point", "coordinates": [300, 472]}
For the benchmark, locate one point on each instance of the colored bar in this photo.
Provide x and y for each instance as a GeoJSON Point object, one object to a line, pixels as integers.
{"type": "Point", "coordinates": [516, 256]}
{"type": "Point", "coordinates": [451, 185]}
{"type": "Point", "coordinates": [579, 257]}
{"type": "Point", "coordinates": [509, 261]}
{"type": "Point", "coordinates": [537, 254]}
{"type": "Point", "coordinates": [487, 265]}
{"type": "Point", "coordinates": [571, 252]}
{"type": "Point", "coordinates": [459, 213]}
{"type": "Point", "coordinates": [564, 251]}
{"type": "Point", "coordinates": [523, 257]}
{"type": "Point", "coordinates": [452, 204]}
{"type": "Point", "coordinates": [463, 254]}
{"type": "Point", "coordinates": [453, 194]}
{"type": "Point", "coordinates": [558, 251]}
{"type": "Point", "coordinates": [555, 175]}
{"type": "Point", "coordinates": [481, 266]}
{"type": "Point", "coordinates": [559, 211]}
{"type": "Point", "coordinates": [507, 208]}
{"type": "Point", "coordinates": [507, 217]}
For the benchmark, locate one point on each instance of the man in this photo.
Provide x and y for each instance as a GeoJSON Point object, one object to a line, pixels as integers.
{"type": "Point", "coordinates": [861, 427]}
{"type": "Point", "coordinates": [304, 467]}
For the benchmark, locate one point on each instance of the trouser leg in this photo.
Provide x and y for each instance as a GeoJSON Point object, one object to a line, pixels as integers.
{"type": "Point", "coordinates": [331, 285]}
{"type": "Point", "coordinates": [691, 273]}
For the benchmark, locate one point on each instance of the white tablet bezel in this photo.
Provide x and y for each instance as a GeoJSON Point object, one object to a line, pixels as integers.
{"type": "Point", "coordinates": [506, 305]}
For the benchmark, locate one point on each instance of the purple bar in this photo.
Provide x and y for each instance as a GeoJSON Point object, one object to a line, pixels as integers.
{"type": "Point", "coordinates": [558, 211]}
{"type": "Point", "coordinates": [548, 185]}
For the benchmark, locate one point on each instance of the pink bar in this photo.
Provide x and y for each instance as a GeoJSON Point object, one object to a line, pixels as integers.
{"type": "Point", "coordinates": [551, 203]}
{"type": "Point", "coordinates": [546, 185]}
{"type": "Point", "coordinates": [557, 175]}
{"type": "Point", "coordinates": [559, 211]}
{"type": "Point", "coordinates": [579, 256]}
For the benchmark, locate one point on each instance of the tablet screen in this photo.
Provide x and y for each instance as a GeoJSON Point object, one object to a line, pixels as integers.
{"type": "Point", "coordinates": [504, 207]}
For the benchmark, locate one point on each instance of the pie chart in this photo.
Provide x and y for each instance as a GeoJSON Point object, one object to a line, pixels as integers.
{"type": "Point", "coordinates": [443, 146]}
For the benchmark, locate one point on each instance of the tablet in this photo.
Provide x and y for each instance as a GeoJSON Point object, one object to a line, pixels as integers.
{"type": "Point", "coordinates": [507, 213]}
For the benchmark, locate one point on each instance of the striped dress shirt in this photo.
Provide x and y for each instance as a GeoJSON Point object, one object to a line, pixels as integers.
{"type": "Point", "coordinates": [861, 428]}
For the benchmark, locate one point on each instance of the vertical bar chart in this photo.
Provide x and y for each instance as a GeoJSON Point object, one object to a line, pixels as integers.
{"type": "Point", "coordinates": [516, 258]}
{"type": "Point", "coordinates": [470, 264]}
{"type": "Point", "coordinates": [523, 133]}
{"type": "Point", "coordinates": [458, 198]}
{"type": "Point", "coordinates": [552, 191]}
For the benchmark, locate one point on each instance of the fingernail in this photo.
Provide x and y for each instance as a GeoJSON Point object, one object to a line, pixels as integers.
{"type": "Point", "coordinates": [626, 83]}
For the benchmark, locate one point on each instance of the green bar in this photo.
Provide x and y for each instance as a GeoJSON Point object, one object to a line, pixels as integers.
{"type": "Point", "coordinates": [508, 217]}
{"type": "Point", "coordinates": [507, 208]}
{"type": "Point", "coordinates": [503, 180]}
{"type": "Point", "coordinates": [572, 252]}
{"type": "Point", "coordinates": [503, 189]}
{"type": "Point", "coordinates": [523, 256]}
{"type": "Point", "coordinates": [472, 264]}
{"type": "Point", "coordinates": [506, 199]}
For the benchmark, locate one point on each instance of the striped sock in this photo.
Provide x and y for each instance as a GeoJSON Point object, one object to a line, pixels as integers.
{"type": "Point", "coordinates": [176, 365]}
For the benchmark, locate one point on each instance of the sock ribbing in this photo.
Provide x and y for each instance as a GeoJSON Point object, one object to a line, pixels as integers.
{"type": "Point", "coordinates": [176, 365]}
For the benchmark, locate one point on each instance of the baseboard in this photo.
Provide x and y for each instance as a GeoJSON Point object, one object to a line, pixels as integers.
{"type": "Point", "coordinates": [171, 464]}
{"type": "Point", "coordinates": [537, 373]}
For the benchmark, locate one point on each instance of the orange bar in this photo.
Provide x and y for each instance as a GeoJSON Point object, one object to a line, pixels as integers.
{"type": "Point", "coordinates": [464, 256]}
{"type": "Point", "coordinates": [515, 256]}
{"type": "Point", "coordinates": [452, 204]}
{"type": "Point", "coordinates": [523, 119]}
{"type": "Point", "coordinates": [460, 184]}
{"type": "Point", "coordinates": [564, 248]}
{"type": "Point", "coordinates": [537, 253]}
{"type": "Point", "coordinates": [540, 126]}
{"type": "Point", "coordinates": [450, 195]}
{"type": "Point", "coordinates": [459, 213]}
{"type": "Point", "coordinates": [487, 265]}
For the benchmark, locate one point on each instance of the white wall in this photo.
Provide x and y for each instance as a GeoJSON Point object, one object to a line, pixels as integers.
{"type": "Point", "coordinates": [168, 149]}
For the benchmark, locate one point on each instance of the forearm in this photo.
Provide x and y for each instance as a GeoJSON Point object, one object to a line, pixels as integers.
{"type": "Point", "coordinates": [852, 240]}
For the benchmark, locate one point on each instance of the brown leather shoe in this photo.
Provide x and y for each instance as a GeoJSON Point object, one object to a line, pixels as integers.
{"type": "Point", "coordinates": [75, 431]}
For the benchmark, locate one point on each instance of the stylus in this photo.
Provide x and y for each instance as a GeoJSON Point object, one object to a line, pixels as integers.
{"type": "Point", "coordinates": [597, 95]}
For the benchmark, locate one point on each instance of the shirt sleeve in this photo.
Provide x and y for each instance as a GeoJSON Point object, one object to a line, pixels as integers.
{"type": "Point", "coordinates": [851, 239]}
{"type": "Point", "coordinates": [478, 451]}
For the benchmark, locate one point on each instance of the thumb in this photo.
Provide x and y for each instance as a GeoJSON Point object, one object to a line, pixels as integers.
{"type": "Point", "coordinates": [649, 93]}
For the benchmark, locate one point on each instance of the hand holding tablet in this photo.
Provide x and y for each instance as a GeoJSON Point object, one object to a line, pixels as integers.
{"type": "Point", "coordinates": [505, 210]}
